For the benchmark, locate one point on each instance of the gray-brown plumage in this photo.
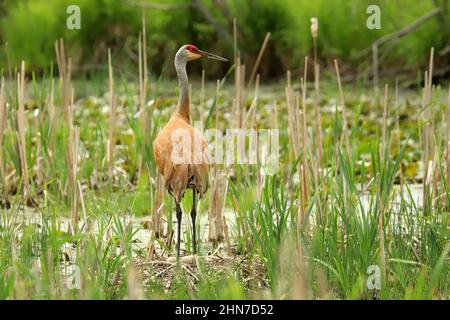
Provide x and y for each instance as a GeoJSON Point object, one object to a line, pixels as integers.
{"type": "Point", "coordinates": [180, 150]}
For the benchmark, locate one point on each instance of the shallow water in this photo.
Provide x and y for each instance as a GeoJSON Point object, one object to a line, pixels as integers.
{"type": "Point", "coordinates": [412, 195]}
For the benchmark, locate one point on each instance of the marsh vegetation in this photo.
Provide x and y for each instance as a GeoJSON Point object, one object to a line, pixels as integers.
{"type": "Point", "coordinates": [363, 180]}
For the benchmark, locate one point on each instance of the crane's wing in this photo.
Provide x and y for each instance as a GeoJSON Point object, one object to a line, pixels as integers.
{"type": "Point", "coordinates": [182, 167]}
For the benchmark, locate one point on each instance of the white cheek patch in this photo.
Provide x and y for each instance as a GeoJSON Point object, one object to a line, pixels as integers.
{"type": "Point", "coordinates": [193, 56]}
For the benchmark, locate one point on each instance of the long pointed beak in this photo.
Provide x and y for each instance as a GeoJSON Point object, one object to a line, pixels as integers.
{"type": "Point", "coordinates": [212, 56]}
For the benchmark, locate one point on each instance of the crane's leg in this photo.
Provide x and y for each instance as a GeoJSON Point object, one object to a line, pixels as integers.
{"type": "Point", "coordinates": [193, 216]}
{"type": "Point", "coordinates": [179, 215]}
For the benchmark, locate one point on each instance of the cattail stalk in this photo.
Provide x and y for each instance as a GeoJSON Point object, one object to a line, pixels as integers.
{"type": "Point", "coordinates": [294, 120]}
{"type": "Point", "coordinates": [427, 135]}
{"type": "Point", "coordinates": [39, 165]}
{"type": "Point", "coordinates": [250, 117]}
{"type": "Point", "coordinates": [21, 128]}
{"type": "Point", "coordinates": [158, 206]}
{"type": "Point", "coordinates": [235, 45]}
{"type": "Point", "coordinates": [397, 126]}
{"type": "Point", "coordinates": [447, 140]}
{"type": "Point", "coordinates": [239, 92]}
{"type": "Point", "coordinates": [202, 100]}
{"type": "Point", "coordinates": [65, 73]}
{"type": "Point", "coordinates": [112, 103]}
{"type": "Point", "coordinates": [344, 113]}
{"type": "Point", "coordinates": [217, 205]}
{"type": "Point", "coordinates": [216, 109]}
{"type": "Point", "coordinates": [143, 80]}
{"type": "Point", "coordinates": [305, 143]}
{"type": "Point", "coordinates": [258, 59]}
{"type": "Point", "coordinates": [51, 122]}
{"type": "Point", "coordinates": [74, 133]}
{"type": "Point", "coordinates": [3, 117]}
{"type": "Point", "coordinates": [319, 138]}
{"type": "Point", "coordinates": [274, 119]}
{"type": "Point", "coordinates": [383, 147]}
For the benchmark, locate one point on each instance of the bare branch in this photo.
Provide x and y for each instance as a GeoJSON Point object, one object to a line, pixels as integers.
{"type": "Point", "coordinates": [157, 6]}
{"type": "Point", "coordinates": [402, 32]}
{"type": "Point", "coordinates": [198, 4]}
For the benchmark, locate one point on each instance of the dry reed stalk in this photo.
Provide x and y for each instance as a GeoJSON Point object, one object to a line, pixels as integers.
{"type": "Point", "coordinates": [216, 107]}
{"type": "Point", "coordinates": [305, 143]}
{"type": "Point", "coordinates": [318, 114]}
{"type": "Point", "coordinates": [141, 101]}
{"type": "Point", "coordinates": [381, 235]}
{"type": "Point", "coordinates": [381, 240]}
{"type": "Point", "coordinates": [226, 234]}
{"type": "Point", "coordinates": [382, 202]}
{"type": "Point", "coordinates": [144, 56]}
{"type": "Point", "coordinates": [140, 105]}
{"type": "Point", "coordinates": [250, 117]}
{"type": "Point", "coordinates": [83, 207]}
{"type": "Point", "coordinates": [143, 81]}
{"type": "Point", "coordinates": [51, 106]}
{"type": "Point", "coordinates": [322, 286]}
{"type": "Point", "coordinates": [319, 135]}
{"type": "Point", "coordinates": [39, 159]}
{"type": "Point", "coordinates": [202, 100]}
{"type": "Point", "coordinates": [216, 122]}
{"type": "Point", "coordinates": [3, 117]}
{"type": "Point", "coordinates": [217, 205]}
{"type": "Point", "coordinates": [397, 127]}
{"type": "Point", "coordinates": [237, 78]}
{"type": "Point", "coordinates": [235, 45]}
{"type": "Point", "coordinates": [436, 171]}
{"type": "Point", "coordinates": [314, 33]}
{"type": "Point", "coordinates": [259, 176]}
{"type": "Point", "coordinates": [21, 128]}
{"type": "Point", "coordinates": [94, 177]}
{"type": "Point", "coordinates": [300, 291]}
{"type": "Point", "coordinates": [274, 119]}
{"type": "Point", "coordinates": [384, 125]}
{"type": "Point", "coordinates": [51, 122]}
{"type": "Point", "coordinates": [292, 271]}
{"type": "Point", "coordinates": [288, 79]}
{"type": "Point", "coordinates": [345, 135]}
{"type": "Point", "coordinates": [158, 205]}
{"type": "Point", "coordinates": [428, 130]}
{"type": "Point", "coordinates": [242, 96]}
{"type": "Point", "coordinates": [258, 59]}
{"type": "Point", "coordinates": [112, 119]}
{"type": "Point", "coordinates": [74, 188]}
{"type": "Point", "coordinates": [300, 164]}
{"type": "Point", "coordinates": [237, 87]}
{"type": "Point", "coordinates": [135, 290]}
{"type": "Point", "coordinates": [293, 120]}
{"type": "Point", "coordinates": [292, 115]}
{"type": "Point", "coordinates": [65, 74]}
{"type": "Point", "coordinates": [253, 125]}
{"type": "Point", "coordinates": [293, 101]}
{"type": "Point", "coordinates": [447, 120]}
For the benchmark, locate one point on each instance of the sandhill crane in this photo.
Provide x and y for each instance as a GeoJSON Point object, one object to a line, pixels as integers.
{"type": "Point", "coordinates": [180, 150]}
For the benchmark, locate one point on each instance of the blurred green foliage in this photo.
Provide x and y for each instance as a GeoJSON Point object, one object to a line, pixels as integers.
{"type": "Point", "coordinates": [28, 30]}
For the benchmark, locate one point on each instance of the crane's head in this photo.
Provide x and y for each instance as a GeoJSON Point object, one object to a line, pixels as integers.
{"type": "Point", "coordinates": [189, 52]}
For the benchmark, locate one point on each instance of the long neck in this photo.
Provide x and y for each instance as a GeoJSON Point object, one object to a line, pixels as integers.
{"type": "Point", "coordinates": [183, 100]}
